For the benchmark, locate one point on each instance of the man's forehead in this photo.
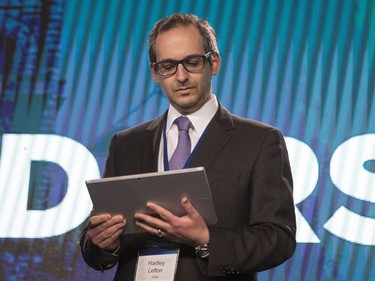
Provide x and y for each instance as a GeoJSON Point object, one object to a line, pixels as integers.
{"type": "Point", "coordinates": [178, 43]}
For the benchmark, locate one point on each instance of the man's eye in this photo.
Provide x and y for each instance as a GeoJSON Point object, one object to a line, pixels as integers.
{"type": "Point", "coordinates": [166, 66]}
{"type": "Point", "coordinates": [193, 61]}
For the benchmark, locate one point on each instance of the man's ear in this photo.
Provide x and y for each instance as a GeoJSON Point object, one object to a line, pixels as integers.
{"type": "Point", "coordinates": [215, 62]}
{"type": "Point", "coordinates": [154, 74]}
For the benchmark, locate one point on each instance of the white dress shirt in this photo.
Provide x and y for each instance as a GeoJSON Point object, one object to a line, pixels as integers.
{"type": "Point", "coordinates": [199, 121]}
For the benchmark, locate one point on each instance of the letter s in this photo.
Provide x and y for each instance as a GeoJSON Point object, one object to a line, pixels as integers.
{"type": "Point", "coordinates": [349, 175]}
{"type": "Point", "coordinates": [18, 150]}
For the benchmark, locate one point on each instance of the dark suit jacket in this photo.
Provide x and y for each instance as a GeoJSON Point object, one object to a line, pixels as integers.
{"type": "Point", "coordinates": [250, 178]}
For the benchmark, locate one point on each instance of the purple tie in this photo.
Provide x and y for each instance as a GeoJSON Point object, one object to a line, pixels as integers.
{"type": "Point", "coordinates": [182, 151]}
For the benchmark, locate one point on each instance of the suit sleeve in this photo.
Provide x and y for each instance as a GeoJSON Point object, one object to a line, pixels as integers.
{"type": "Point", "coordinates": [269, 238]}
{"type": "Point", "coordinates": [94, 256]}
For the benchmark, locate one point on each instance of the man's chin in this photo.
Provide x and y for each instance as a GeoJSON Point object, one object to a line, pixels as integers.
{"type": "Point", "coordinates": [188, 107]}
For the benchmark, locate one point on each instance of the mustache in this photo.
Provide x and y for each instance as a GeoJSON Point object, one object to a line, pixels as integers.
{"type": "Point", "coordinates": [183, 87]}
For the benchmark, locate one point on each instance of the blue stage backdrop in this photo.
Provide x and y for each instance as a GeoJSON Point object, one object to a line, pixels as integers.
{"type": "Point", "coordinates": [72, 72]}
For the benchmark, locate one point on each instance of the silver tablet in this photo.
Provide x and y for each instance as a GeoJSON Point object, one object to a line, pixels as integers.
{"type": "Point", "coordinates": [129, 194]}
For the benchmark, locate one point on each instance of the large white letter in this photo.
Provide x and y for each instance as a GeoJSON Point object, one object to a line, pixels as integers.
{"type": "Point", "coordinates": [18, 150]}
{"type": "Point", "coordinates": [305, 170]}
{"type": "Point", "coordinates": [350, 176]}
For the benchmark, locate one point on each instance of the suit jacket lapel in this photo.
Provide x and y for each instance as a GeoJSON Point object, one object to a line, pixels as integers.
{"type": "Point", "coordinates": [214, 140]}
{"type": "Point", "coordinates": [150, 143]}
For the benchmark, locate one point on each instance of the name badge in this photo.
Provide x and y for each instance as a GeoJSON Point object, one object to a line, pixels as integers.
{"type": "Point", "coordinates": [157, 263]}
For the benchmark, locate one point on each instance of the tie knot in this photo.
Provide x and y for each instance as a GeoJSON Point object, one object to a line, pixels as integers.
{"type": "Point", "coordinates": [183, 123]}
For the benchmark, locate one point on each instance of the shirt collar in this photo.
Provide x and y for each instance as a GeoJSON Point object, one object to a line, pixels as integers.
{"type": "Point", "coordinates": [199, 119]}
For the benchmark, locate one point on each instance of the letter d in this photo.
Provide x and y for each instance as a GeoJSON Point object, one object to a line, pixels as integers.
{"type": "Point", "coordinates": [18, 150]}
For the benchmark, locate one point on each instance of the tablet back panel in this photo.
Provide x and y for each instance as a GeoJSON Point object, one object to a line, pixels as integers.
{"type": "Point", "coordinates": [129, 194]}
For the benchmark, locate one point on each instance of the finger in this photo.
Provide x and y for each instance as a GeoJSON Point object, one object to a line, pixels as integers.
{"type": "Point", "coordinates": [149, 220]}
{"type": "Point", "coordinates": [149, 228]}
{"type": "Point", "coordinates": [118, 219]}
{"type": "Point", "coordinates": [163, 213]}
{"type": "Point", "coordinates": [111, 242]}
{"type": "Point", "coordinates": [150, 223]}
{"type": "Point", "coordinates": [188, 207]}
{"type": "Point", "coordinates": [97, 220]}
{"type": "Point", "coordinates": [94, 221]}
{"type": "Point", "coordinates": [96, 229]}
{"type": "Point", "coordinates": [106, 233]}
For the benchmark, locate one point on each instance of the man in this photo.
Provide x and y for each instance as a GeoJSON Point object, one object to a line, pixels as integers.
{"type": "Point", "coordinates": [246, 164]}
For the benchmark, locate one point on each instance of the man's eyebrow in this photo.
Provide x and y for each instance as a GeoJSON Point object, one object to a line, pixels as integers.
{"type": "Point", "coordinates": [187, 57]}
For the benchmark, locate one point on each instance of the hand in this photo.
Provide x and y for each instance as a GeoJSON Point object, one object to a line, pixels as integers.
{"type": "Point", "coordinates": [189, 229]}
{"type": "Point", "coordinates": [104, 230]}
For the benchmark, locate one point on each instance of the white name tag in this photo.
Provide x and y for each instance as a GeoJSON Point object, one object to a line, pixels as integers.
{"type": "Point", "coordinates": [157, 263]}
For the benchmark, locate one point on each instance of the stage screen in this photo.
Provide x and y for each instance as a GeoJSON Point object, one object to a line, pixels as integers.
{"type": "Point", "coordinates": [73, 72]}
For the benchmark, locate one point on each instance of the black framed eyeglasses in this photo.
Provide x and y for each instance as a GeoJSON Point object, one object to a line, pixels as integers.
{"type": "Point", "coordinates": [191, 64]}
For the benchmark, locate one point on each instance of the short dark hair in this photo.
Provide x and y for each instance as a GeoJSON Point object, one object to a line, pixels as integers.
{"type": "Point", "coordinates": [175, 20]}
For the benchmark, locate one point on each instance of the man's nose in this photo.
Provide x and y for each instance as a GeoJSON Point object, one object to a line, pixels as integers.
{"type": "Point", "coordinates": [181, 73]}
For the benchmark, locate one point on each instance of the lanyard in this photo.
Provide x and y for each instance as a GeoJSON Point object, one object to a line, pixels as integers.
{"type": "Point", "coordinates": [165, 149]}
